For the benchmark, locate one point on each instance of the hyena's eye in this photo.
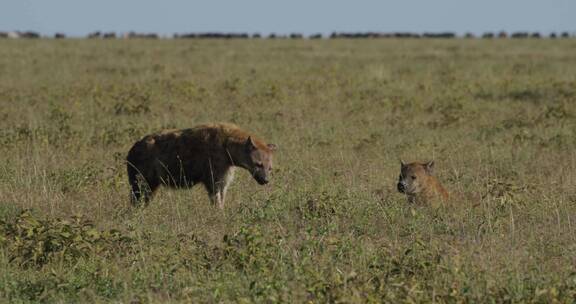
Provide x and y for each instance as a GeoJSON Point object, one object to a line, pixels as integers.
{"type": "Point", "coordinates": [259, 165]}
{"type": "Point", "coordinates": [413, 176]}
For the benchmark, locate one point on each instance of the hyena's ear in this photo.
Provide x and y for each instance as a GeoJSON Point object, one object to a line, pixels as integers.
{"type": "Point", "coordinates": [272, 147]}
{"type": "Point", "coordinates": [429, 166]}
{"type": "Point", "coordinates": [250, 146]}
{"type": "Point", "coordinates": [402, 164]}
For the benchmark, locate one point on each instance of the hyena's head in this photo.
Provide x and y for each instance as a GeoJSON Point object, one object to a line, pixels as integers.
{"type": "Point", "coordinates": [413, 177]}
{"type": "Point", "coordinates": [259, 160]}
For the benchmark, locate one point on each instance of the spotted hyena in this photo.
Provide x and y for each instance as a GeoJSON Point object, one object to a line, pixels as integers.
{"type": "Point", "coordinates": [206, 154]}
{"type": "Point", "coordinates": [419, 184]}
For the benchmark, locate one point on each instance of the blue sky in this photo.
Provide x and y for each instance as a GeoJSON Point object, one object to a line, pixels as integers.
{"type": "Point", "coordinates": [78, 17]}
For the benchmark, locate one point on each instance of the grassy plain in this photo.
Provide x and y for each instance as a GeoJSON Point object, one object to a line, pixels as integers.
{"type": "Point", "coordinates": [497, 116]}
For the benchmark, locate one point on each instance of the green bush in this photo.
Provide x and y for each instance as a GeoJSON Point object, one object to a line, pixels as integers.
{"type": "Point", "coordinates": [32, 242]}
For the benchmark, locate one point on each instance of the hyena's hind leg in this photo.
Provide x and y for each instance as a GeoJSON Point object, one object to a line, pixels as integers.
{"type": "Point", "coordinates": [142, 189]}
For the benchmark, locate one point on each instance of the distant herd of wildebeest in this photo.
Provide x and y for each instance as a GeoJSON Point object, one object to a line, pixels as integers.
{"type": "Point", "coordinates": [334, 35]}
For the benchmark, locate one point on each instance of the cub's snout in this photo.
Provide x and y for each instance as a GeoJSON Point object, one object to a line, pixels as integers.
{"type": "Point", "coordinates": [401, 188]}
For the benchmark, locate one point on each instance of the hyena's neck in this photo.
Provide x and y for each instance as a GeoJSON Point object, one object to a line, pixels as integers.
{"type": "Point", "coordinates": [234, 152]}
{"type": "Point", "coordinates": [435, 189]}
{"type": "Point", "coordinates": [419, 198]}
{"type": "Point", "coordinates": [432, 192]}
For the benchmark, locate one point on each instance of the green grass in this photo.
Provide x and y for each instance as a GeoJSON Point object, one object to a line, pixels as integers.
{"type": "Point", "coordinates": [497, 116]}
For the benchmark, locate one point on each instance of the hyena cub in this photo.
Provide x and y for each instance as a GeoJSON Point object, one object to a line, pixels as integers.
{"type": "Point", "coordinates": [206, 154]}
{"type": "Point", "coordinates": [419, 184]}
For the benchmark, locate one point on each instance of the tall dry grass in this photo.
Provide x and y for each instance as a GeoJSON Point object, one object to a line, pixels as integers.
{"type": "Point", "coordinates": [498, 117]}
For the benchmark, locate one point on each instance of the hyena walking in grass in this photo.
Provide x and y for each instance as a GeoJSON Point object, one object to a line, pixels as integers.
{"type": "Point", "coordinates": [419, 184]}
{"type": "Point", "coordinates": [206, 154]}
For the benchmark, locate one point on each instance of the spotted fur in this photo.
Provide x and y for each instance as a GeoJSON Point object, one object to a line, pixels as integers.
{"type": "Point", "coordinates": [206, 154]}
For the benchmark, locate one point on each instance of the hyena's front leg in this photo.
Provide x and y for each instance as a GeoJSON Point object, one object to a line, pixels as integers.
{"type": "Point", "coordinates": [227, 179]}
{"type": "Point", "coordinates": [215, 194]}
{"type": "Point", "coordinates": [217, 189]}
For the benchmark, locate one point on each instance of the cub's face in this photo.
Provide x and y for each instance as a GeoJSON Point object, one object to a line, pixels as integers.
{"type": "Point", "coordinates": [413, 177]}
{"type": "Point", "coordinates": [259, 161]}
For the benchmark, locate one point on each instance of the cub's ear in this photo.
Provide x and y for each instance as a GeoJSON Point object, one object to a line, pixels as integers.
{"type": "Point", "coordinates": [272, 147]}
{"type": "Point", "coordinates": [429, 166]}
{"type": "Point", "coordinates": [402, 164]}
{"type": "Point", "coordinates": [250, 146]}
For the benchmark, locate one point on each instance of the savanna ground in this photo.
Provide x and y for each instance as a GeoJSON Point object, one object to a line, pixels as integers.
{"type": "Point", "coordinates": [497, 116]}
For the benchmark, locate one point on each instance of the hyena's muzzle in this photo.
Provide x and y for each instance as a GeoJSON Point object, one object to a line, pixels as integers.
{"type": "Point", "coordinates": [261, 175]}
